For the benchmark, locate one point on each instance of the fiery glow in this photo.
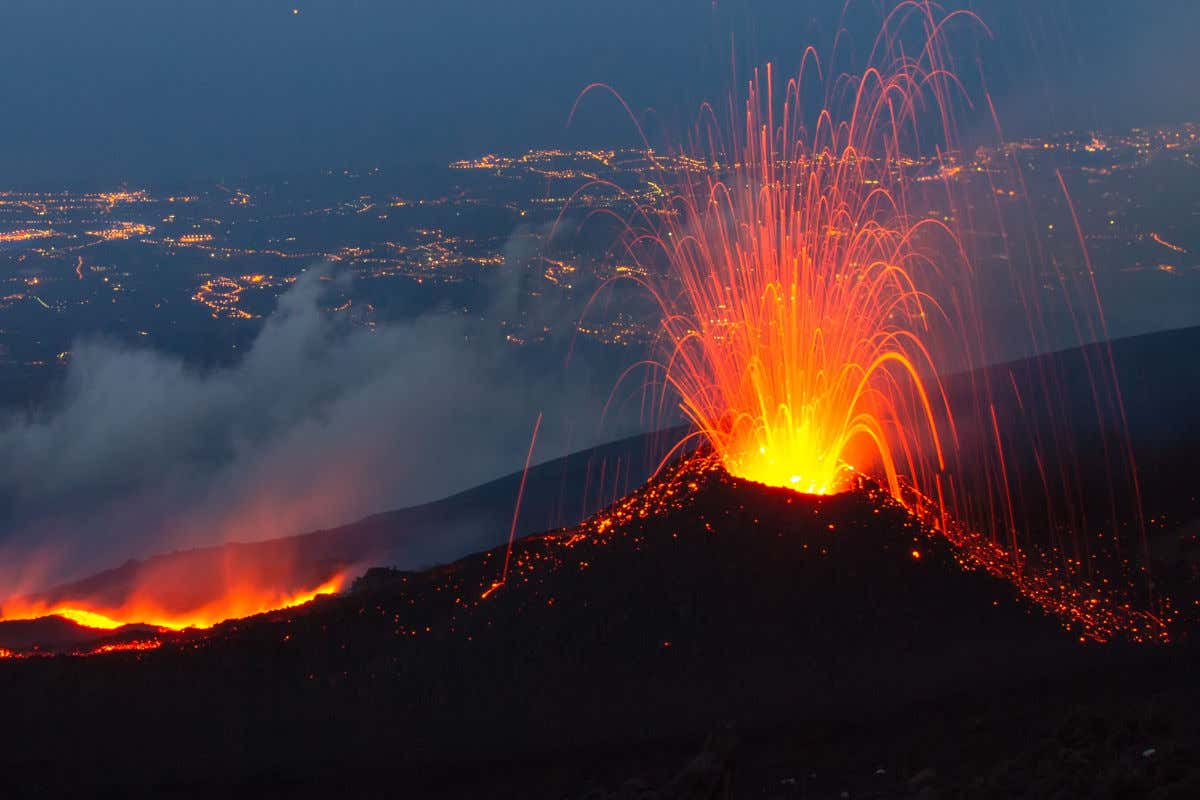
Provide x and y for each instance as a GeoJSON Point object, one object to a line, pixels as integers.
{"type": "Point", "coordinates": [793, 305]}
{"type": "Point", "coordinates": [813, 254]}
{"type": "Point", "coordinates": [136, 645]}
{"type": "Point", "coordinates": [145, 609]}
{"type": "Point", "coordinates": [795, 337]}
{"type": "Point", "coordinates": [1096, 610]}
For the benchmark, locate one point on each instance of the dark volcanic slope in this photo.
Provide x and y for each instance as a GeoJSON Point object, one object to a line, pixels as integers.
{"type": "Point", "coordinates": [558, 492]}
{"type": "Point", "coordinates": [697, 602]}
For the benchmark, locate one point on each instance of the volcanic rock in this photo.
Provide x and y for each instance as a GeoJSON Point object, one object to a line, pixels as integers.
{"type": "Point", "coordinates": [608, 650]}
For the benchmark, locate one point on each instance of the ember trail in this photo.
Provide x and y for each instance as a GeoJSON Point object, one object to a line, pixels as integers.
{"type": "Point", "coordinates": [795, 306]}
{"type": "Point", "coordinates": [1095, 611]}
{"type": "Point", "coordinates": [812, 297]}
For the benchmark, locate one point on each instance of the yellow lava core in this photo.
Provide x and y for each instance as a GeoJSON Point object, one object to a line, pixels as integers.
{"type": "Point", "coordinates": [796, 465]}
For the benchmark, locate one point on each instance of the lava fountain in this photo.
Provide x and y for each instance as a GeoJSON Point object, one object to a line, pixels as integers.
{"type": "Point", "coordinates": [796, 337]}
{"type": "Point", "coordinates": [813, 253]}
{"type": "Point", "coordinates": [794, 306]}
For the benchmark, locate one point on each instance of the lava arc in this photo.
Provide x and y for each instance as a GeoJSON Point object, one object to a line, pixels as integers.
{"type": "Point", "coordinates": [820, 258]}
{"type": "Point", "coordinates": [795, 304]}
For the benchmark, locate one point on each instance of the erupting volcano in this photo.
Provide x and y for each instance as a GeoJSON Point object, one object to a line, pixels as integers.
{"type": "Point", "coordinates": [797, 335]}
{"type": "Point", "coordinates": [813, 263]}
{"type": "Point", "coordinates": [799, 296]}
{"type": "Point", "coordinates": [884, 522]}
{"type": "Point", "coordinates": [816, 280]}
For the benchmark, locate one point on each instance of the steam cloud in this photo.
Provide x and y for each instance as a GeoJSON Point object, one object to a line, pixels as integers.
{"type": "Point", "coordinates": [318, 424]}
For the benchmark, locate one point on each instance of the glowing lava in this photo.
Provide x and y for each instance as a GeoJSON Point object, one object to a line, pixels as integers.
{"type": "Point", "coordinates": [821, 251]}
{"type": "Point", "coordinates": [147, 610]}
{"type": "Point", "coordinates": [793, 305]}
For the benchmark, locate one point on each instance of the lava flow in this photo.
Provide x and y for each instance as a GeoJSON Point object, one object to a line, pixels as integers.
{"type": "Point", "coordinates": [813, 264]}
{"type": "Point", "coordinates": [145, 608]}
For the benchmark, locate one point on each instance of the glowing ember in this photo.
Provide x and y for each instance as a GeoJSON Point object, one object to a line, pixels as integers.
{"type": "Point", "coordinates": [136, 645]}
{"type": "Point", "coordinates": [146, 610]}
{"type": "Point", "coordinates": [795, 341]}
{"type": "Point", "coordinates": [1096, 610]}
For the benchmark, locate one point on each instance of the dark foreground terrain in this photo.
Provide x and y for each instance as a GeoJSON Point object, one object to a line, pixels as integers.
{"type": "Point", "coordinates": [704, 638]}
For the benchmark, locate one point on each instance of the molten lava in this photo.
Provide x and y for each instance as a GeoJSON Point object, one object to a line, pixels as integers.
{"type": "Point", "coordinates": [813, 256]}
{"type": "Point", "coordinates": [793, 308]}
{"type": "Point", "coordinates": [147, 609]}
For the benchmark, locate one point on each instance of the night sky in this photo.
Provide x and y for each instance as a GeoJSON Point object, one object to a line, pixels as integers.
{"type": "Point", "coordinates": [151, 91]}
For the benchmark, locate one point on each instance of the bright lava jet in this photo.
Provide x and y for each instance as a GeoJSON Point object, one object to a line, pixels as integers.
{"type": "Point", "coordinates": [794, 310]}
{"type": "Point", "coordinates": [822, 255]}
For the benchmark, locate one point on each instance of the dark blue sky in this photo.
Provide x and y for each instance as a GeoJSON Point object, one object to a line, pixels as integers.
{"type": "Point", "coordinates": [151, 90]}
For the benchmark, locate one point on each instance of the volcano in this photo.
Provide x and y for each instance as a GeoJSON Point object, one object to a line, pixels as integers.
{"type": "Point", "coordinates": [699, 603]}
{"type": "Point", "coordinates": [843, 645]}
{"type": "Point", "coordinates": [1164, 429]}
